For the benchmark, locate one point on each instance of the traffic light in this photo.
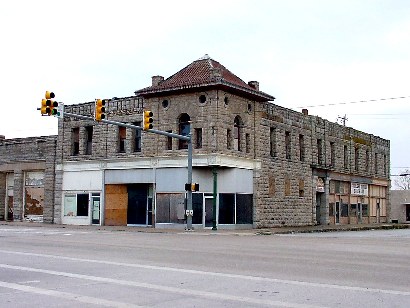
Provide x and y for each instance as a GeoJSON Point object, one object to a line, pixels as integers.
{"type": "Point", "coordinates": [99, 109]}
{"type": "Point", "coordinates": [147, 120]}
{"type": "Point", "coordinates": [48, 106]}
{"type": "Point", "coordinates": [192, 187]}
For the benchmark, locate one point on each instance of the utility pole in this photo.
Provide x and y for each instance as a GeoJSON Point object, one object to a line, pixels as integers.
{"type": "Point", "coordinates": [343, 119]}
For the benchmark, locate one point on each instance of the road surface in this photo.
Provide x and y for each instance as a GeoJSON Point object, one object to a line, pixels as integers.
{"type": "Point", "coordinates": [86, 267]}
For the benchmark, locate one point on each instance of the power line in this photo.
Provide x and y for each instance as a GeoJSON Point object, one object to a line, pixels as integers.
{"type": "Point", "coordinates": [379, 114]}
{"type": "Point", "coordinates": [356, 102]}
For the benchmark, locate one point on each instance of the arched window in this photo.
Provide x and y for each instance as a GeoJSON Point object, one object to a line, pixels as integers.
{"type": "Point", "coordinates": [237, 124]}
{"type": "Point", "coordinates": [184, 129]}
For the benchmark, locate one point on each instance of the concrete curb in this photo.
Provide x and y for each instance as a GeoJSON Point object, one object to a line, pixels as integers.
{"type": "Point", "coordinates": [263, 231]}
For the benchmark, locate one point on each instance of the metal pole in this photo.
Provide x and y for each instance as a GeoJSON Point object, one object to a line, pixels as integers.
{"type": "Point", "coordinates": [189, 192]}
{"type": "Point", "coordinates": [215, 176]}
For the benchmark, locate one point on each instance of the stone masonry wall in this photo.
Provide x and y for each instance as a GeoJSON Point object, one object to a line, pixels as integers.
{"type": "Point", "coordinates": [284, 188]}
{"type": "Point", "coordinates": [21, 155]}
{"type": "Point", "coordinates": [279, 205]}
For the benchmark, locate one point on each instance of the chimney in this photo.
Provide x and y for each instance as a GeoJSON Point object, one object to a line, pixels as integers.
{"type": "Point", "coordinates": [254, 84]}
{"type": "Point", "coordinates": [156, 80]}
{"type": "Point", "coordinates": [305, 111]}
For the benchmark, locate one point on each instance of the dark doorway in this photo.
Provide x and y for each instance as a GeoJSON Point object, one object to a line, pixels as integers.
{"type": "Point", "coordinates": [139, 209]}
{"type": "Point", "coordinates": [318, 195]}
{"type": "Point", "coordinates": [209, 211]}
{"type": "Point", "coordinates": [408, 212]}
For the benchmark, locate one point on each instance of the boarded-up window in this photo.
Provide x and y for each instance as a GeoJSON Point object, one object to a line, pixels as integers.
{"type": "Point", "coordinates": [288, 145]}
{"type": "Point", "coordinates": [75, 140]}
{"type": "Point", "coordinates": [229, 139]}
{"type": "Point", "coordinates": [356, 159]}
{"type": "Point", "coordinates": [367, 166]}
{"type": "Point", "coordinates": [301, 188]}
{"type": "Point", "coordinates": [332, 154]}
{"type": "Point", "coordinates": [198, 138]}
{"type": "Point", "coordinates": [122, 132]}
{"type": "Point", "coordinates": [376, 163]}
{"type": "Point", "coordinates": [345, 157]}
{"type": "Point", "coordinates": [237, 133]}
{"type": "Point", "coordinates": [170, 208]}
{"type": "Point", "coordinates": [385, 164]}
{"type": "Point", "coordinates": [301, 147]}
{"type": "Point", "coordinates": [287, 186]}
{"type": "Point", "coordinates": [88, 140]}
{"type": "Point", "coordinates": [116, 204]}
{"type": "Point", "coordinates": [273, 141]}
{"type": "Point", "coordinates": [137, 138]}
{"type": "Point", "coordinates": [319, 151]}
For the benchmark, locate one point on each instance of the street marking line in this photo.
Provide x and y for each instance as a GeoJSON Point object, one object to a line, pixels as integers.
{"type": "Point", "coordinates": [217, 274]}
{"type": "Point", "coordinates": [65, 295]}
{"type": "Point", "coordinates": [162, 288]}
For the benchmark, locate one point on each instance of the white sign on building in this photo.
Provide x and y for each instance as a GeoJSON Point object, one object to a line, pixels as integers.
{"type": "Point", "coordinates": [359, 189]}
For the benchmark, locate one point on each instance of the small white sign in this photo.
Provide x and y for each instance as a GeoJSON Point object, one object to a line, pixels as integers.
{"type": "Point", "coordinates": [60, 111]}
{"type": "Point", "coordinates": [359, 189]}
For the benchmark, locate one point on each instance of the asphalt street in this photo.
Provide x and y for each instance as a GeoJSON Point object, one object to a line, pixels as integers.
{"type": "Point", "coordinates": [71, 267]}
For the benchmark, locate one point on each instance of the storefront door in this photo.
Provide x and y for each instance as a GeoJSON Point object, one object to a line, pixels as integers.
{"type": "Point", "coordinates": [208, 208]}
{"type": "Point", "coordinates": [139, 205]}
{"type": "Point", "coordinates": [95, 208]}
{"type": "Point", "coordinates": [337, 212]}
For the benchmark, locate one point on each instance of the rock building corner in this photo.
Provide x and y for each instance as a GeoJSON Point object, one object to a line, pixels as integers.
{"type": "Point", "coordinates": [257, 164]}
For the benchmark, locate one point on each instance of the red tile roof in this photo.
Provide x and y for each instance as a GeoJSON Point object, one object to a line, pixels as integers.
{"type": "Point", "coordinates": [204, 72]}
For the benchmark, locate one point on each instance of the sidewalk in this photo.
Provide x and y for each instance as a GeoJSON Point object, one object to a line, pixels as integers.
{"type": "Point", "coordinates": [262, 231]}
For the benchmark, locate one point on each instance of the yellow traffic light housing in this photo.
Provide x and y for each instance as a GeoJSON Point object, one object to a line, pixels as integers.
{"type": "Point", "coordinates": [45, 107]}
{"type": "Point", "coordinates": [99, 110]}
{"type": "Point", "coordinates": [49, 95]}
{"type": "Point", "coordinates": [48, 105]}
{"type": "Point", "coordinates": [147, 120]}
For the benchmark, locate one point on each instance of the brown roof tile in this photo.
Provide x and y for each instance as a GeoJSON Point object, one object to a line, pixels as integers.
{"type": "Point", "coordinates": [203, 72]}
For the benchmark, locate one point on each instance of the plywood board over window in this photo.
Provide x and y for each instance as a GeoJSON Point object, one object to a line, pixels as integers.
{"type": "Point", "coordinates": [116, 204]}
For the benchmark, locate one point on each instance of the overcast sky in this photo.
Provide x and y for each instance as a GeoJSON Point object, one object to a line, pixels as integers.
{"type": "Point", "coordinates": [334, 57]}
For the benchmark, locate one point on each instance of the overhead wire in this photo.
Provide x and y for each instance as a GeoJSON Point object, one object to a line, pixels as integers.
{"type": "Point", "coordinates": [356, 102]}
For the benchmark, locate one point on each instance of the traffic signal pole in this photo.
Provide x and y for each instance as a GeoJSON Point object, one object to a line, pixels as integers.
{"type": "Point", "coordinates": [189, 210]}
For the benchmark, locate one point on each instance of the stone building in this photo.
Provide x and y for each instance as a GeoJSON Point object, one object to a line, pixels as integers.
{"type": "Point", "coordinates": [257, 164]}
{"type": "Point", "coordinates": [27, 178]}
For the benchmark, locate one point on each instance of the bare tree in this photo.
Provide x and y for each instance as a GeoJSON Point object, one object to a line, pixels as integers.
{"type": "Point", "coordinates": [402, 181]}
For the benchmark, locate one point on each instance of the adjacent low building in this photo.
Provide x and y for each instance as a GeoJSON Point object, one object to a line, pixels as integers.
{"type": "Point", "coordinates": [400, 206]}
{"type": "Point", "coordinates": [257, 164]}
{"type": "Point", "coordinates": [27, 178]}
